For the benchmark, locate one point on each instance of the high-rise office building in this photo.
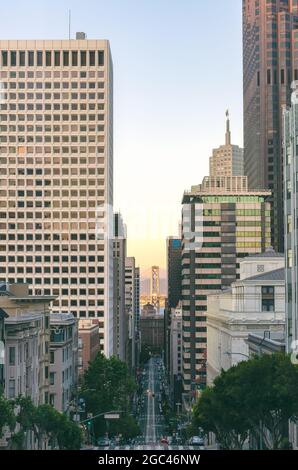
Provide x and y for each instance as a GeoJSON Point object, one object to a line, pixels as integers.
{"type": "Point", "coordinates": [270, 63]}
{"type": "Point", "coordinates": [173, 292]}
{"type": "Point", "coordinates": [175, 362]}
{"type": "Point", "coordinates": [120, 319]}
{"type": "Point", "coordinates": [132, 307]}
{"type": "Point", "coordinates": [227, 160]}
{"type": "Point", "coordinates": [137, 315]}
{"type": "Point", "coordinates": [155, 288]}
{"type": "Point", "coordinates": [220, 226]}
{"type": "Point", "coordinates": [174, 271]}
{"type": "Point", "coordinates": [56, 165]}
{"type": "Point", "coordinates": [291, 231]}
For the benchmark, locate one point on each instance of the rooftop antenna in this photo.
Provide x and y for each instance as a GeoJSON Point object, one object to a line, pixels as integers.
{"type": "Point", "coordinates": [69, 23]}
{"type": "Point", "coordinates": [228, 130]}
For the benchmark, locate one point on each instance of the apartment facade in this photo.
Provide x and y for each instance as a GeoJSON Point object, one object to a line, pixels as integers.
{"type": "Point", "coordinates": [56, 156]}
{"type": "Point", "coordinates": [27, 336]}
{"type": "Point", "coordinates": [89, 345]}
{"type": "Point", "coordinates": [255, 304]}
{"type": "Point", "coordinates": [220, 226]}
{"type": "Point", "coordinates": [63, 360]}
{"type": "Point", "coordinates": [270, 64]}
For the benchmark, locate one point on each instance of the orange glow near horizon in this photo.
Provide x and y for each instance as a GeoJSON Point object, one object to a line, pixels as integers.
{"type": "Point", "coordinates": [143, 249]}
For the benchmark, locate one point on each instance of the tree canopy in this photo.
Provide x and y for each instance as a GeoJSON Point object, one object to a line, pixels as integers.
{"type": "Point", "coordinates": [47, 424]}
{"type": "Point", "coordinates": [107, 386]}
{"type": "Point", "coordinates": [7, 417]}
{"type": "Point", "coordinates": [256, 397]}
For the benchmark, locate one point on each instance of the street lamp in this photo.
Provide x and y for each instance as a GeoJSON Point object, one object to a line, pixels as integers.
{"type": "Point", "coordinates": [178, 408]}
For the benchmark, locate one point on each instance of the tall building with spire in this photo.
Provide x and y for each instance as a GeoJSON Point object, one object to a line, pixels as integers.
{"type": "Point", "coordinates": [223, 221]}
{"type": "Point", "coordinates": [227, 160]}
{"type": "Point", "coordinates": [270, 64]}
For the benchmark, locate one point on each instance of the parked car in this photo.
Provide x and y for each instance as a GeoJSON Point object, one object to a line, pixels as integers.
{"type": "Point", "coordinates": [103, 442]}
{"type": "Point", "coordinates": [197, 441]}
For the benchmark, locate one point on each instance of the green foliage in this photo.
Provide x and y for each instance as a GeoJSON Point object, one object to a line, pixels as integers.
{"type": "Point", "coordinates": [26, 413]}
{"type": "Point", "coordinates": [147, 351]}
{"type": "Point", "coordinates": [145, 354]}
{"type": "Point", "coordinates": [256, 397]}
{"type": "Point", "coordinates": [126, 425]}
{"type": "Point", "coordinates": [107, 386]}
{"type": "Point", "coordinates": [58, 428]}
{"type": "Point", "coordinates": [44, 420]}
{"type": "Point", "coordinates": [47, 421]}
{"type": "Point", "coordinates": [17, 440]}
{"type": "Point", "coordinates": [7, 417]}
{"type": "Point", "coordinates": [69, 435]}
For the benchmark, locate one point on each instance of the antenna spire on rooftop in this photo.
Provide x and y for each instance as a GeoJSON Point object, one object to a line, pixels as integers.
{"type": "Point", "coordinates": [228, 131]}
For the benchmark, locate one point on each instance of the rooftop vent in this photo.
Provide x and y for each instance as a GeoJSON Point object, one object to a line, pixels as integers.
{"type": "Point", "coordinates": [81, 35]}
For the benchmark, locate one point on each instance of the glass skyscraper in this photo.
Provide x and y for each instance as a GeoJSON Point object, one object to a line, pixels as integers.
{"type": "Point", "coordinates": [270, 63]}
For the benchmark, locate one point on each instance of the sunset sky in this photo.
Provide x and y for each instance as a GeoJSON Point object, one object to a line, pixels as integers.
{"type": "Point", "coordinates": [173, 81]}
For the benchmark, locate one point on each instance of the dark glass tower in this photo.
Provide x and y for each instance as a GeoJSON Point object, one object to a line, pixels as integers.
{"type": "Point", "coordinates": [174, 271]}
{"type": "Point", "coordinates": [174, 251]}
{"type": "Point", "coordinates": [270, 63]}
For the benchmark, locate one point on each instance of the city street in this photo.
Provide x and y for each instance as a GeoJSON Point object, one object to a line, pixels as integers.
{"type": "Point", "coordinates": [151, 418]}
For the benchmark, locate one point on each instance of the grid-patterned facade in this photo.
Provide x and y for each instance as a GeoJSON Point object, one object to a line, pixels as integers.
{"type": "Point", "coordinates": [120, 318]}
{"type": "Point", "coordinates": [56, 165]}
{"type": "Point", "coordinates": [217, 232]}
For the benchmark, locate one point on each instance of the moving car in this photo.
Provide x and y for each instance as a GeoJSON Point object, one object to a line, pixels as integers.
{"type": "Point", "coordinates": [164, 440]}
{"type": "Point", "coordinates": [197, 442]}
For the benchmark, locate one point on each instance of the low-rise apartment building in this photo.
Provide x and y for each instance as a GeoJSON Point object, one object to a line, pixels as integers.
{"type": "Point", "coordinates": [63, 360]}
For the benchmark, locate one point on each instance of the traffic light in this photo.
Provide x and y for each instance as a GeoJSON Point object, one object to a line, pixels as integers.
{"type": "Point", "coordinates": [82, 405]}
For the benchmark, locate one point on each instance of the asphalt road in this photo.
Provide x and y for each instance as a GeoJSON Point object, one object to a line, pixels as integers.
{"type": "Point", "coordinates": [151, 419]}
